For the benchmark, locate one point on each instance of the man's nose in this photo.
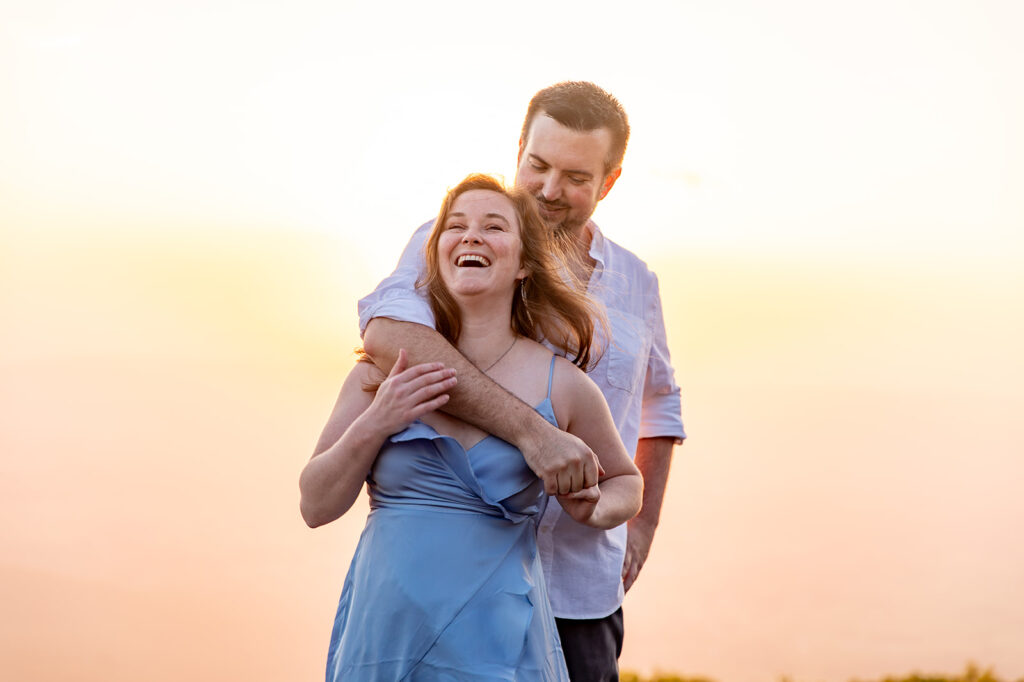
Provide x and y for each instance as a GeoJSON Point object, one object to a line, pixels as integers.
{"type": "Point", "coordinates": [551, 188]}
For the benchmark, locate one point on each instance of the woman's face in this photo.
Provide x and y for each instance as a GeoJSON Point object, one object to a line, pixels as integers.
{"type": "Point", "coordinates": [480, 248]}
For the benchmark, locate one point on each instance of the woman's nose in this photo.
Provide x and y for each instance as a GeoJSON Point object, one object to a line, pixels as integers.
{"type": "Point", "coordinates": [471, 237]}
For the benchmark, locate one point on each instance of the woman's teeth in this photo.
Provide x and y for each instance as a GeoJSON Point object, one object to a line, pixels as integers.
{"type": "Point", "coordinates": [472, 260]}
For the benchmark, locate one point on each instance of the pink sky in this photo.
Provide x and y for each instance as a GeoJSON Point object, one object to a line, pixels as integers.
{"type": "Point", "coordinates": [847, 504]}
{"type": "Point", "coordinates": [193, 197]}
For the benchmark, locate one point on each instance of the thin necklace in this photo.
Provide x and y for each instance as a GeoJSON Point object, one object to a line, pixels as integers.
{"type": "Point", "coordinates": [514, 339]}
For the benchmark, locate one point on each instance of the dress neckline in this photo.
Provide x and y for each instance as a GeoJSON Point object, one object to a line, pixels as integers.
{"type": "Point", "coordinates": [488, 436]}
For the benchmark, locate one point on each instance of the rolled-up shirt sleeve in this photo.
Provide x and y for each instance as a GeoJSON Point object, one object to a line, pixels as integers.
{"type": "Point", "coordinates": [661, 415]}
{"type": "Point", "coordinates": [396, 297]}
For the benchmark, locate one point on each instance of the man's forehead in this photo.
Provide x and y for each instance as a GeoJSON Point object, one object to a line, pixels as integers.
{"type": "Point", "coordinates": [548, 137]}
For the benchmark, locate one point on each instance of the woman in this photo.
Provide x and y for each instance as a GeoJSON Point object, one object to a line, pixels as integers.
{"type": "Point", "coordinates": [446, 582]}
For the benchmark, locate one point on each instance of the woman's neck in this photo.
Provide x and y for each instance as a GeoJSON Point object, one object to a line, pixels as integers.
{"type": "Point", "coordinates": [486, 332]}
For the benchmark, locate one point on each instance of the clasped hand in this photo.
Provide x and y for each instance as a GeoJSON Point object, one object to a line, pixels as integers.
{"type": "Point", "coordinates": [581, 505]}
{"type": "Point", "coordinates": [410, 392]}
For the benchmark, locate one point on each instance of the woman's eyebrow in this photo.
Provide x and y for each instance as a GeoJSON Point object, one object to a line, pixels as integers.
{"type": "Point", "coordinates": [499, 216]}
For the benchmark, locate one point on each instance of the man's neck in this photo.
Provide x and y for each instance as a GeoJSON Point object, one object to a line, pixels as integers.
{"type": "Point", "coordinates": [582, 239]}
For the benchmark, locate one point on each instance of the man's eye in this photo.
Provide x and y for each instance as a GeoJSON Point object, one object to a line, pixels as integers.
{"type": "Point", "coordinates": [536, 166]}
{"type": "Point", "coordinates": [576, 181]}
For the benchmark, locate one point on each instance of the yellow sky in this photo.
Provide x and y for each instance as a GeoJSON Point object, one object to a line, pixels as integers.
{"type": "Point", "coordinates": [193, 196]}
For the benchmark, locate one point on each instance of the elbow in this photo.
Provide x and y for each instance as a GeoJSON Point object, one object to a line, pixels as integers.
{"type": "Point", "coordinates": [312, 516]}
{"type": "Point", "coordinates": [375, 339]}
{"type": "Point", "coordinates": [638, 494]}
{"type": "Point", "coordinates": [320, 512]}
{"type": "Point", "coordinates": [310, 505]}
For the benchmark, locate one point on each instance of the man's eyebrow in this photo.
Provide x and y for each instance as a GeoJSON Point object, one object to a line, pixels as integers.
{"type": "Point", "coordinates": [586, 174]}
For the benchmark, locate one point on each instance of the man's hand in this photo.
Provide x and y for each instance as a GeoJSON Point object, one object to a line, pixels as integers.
{"type": "Point", "coordinates": [639, 536]}
{"type": "Point", "coordinates": [562, 461]}
{"type": "Point", "coordinates": [653, 458]}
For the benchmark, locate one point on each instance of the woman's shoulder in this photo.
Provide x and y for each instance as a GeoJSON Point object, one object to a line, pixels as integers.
{"type": "Point", "coordinates": [572, 378]}
{"type": "Point", "coordinates": [573, 393]}
{"type": "Point", "coordinates": [565, 372]}
{"type": "Point", "coordinates": [365, 370]}
{"type": "Point", "coordinates": [362, 382]}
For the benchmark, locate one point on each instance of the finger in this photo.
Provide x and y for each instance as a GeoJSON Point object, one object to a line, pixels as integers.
{"type": "Point", "coordinates": [627, 562]}
{"type": "Point", "coordinates": [579, 477]}
{"type": "Point", "coordinates": [400, 363]}
{"type": "Point", "coordinates": [630, 570]}
{"type": "Point", "coordinates": [428, 393]}
{"type": "Point", "coordinates": [422, 369]}
{"type": "Point", "coordinates": [429, 406]}
{"type": "Point", "coordinates": [590, 469]}
{"type": "Point", "coordinates": [591, 494]}
{"type": "Point", "coordinates": [439, 376]}
{"type": "Point", "coordinates": [564, 483]}
{"type": "Point", "coordinates": [634, 574]}
{"type": "Point", "coordinates": [550, 484]}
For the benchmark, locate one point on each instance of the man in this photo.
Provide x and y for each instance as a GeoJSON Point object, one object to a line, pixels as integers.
{"type": "Point", "coordinates": [570, 155]}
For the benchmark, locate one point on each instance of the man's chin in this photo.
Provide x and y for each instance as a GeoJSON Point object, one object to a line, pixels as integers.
{"type": "Point", "coordinates": [558, 221]}
{"type": "Point", "coordinates": [567, 226]}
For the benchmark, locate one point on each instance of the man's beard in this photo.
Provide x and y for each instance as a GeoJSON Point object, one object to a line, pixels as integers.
{"type": "Point", "coordinates": [570, 225]}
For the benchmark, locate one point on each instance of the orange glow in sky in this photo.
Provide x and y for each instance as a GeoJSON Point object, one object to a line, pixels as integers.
{"type": "Point", "coordinates": [193, 196]}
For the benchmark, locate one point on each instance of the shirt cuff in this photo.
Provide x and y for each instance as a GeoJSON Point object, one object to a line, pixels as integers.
{"type": "Point", "coordinates": [661, 418]}
{"type": "Point", "coordinates": [403, 306]}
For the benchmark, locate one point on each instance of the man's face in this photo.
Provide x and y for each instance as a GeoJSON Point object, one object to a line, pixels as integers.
{"type": "Point", "coordinates": [564, 170]}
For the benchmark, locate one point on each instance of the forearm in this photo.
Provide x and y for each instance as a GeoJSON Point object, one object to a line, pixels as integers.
{"type": "Point", "coordinates": [620, 501]}
{"type": "Point", "coordinates": [476, 399]}
{"type": "Point", "coordinates": [653, 458]}
{"type": "Point", "coordinates": [332, 480]}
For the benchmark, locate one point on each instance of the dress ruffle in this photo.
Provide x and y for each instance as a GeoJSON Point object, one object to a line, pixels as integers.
{"type": "Point", "coordinates": [446, 582]}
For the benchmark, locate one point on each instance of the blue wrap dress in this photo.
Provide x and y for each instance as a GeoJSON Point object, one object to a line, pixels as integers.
{"type": "Point", "coordinates": [446, 583]}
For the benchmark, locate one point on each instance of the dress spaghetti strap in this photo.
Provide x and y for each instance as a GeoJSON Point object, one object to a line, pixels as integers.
{"type": "Point", "coordinates": [551, 374]}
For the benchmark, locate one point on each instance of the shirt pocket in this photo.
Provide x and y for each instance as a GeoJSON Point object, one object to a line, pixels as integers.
{"type": "Point", "coordinates": [628, 351]}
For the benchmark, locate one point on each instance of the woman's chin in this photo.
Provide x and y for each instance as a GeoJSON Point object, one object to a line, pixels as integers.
{"type": "Point", "coordinates": [479, 286]}
{"type": "Point", "coordinates": [477, 294]}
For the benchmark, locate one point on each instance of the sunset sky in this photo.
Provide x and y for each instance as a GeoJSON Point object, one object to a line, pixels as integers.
{"type": "Point", "coordinates": [194, 195]}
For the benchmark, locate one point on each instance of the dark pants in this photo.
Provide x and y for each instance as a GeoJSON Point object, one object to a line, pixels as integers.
{"type": "Point", "coordinates": [592, 647]}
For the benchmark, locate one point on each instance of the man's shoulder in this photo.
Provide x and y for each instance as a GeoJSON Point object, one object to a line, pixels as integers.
{"type": "Point", "coordinates": [619, 258]}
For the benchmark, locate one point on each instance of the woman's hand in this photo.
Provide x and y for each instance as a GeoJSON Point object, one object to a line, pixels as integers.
{"type": "Point", "coordinates": [410, 392]}
{"type": "Point", "coordinates": [581, 505]}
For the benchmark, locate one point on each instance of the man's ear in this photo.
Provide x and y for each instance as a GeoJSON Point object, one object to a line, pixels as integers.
{"type": "Point", "coordinates": [519, 154]}
{"type": "Point", "coordinates": [609, 182]}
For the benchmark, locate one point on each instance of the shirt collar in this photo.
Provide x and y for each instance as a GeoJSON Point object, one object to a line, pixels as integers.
{"type": "Point", "coordinates": [596, 243]}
